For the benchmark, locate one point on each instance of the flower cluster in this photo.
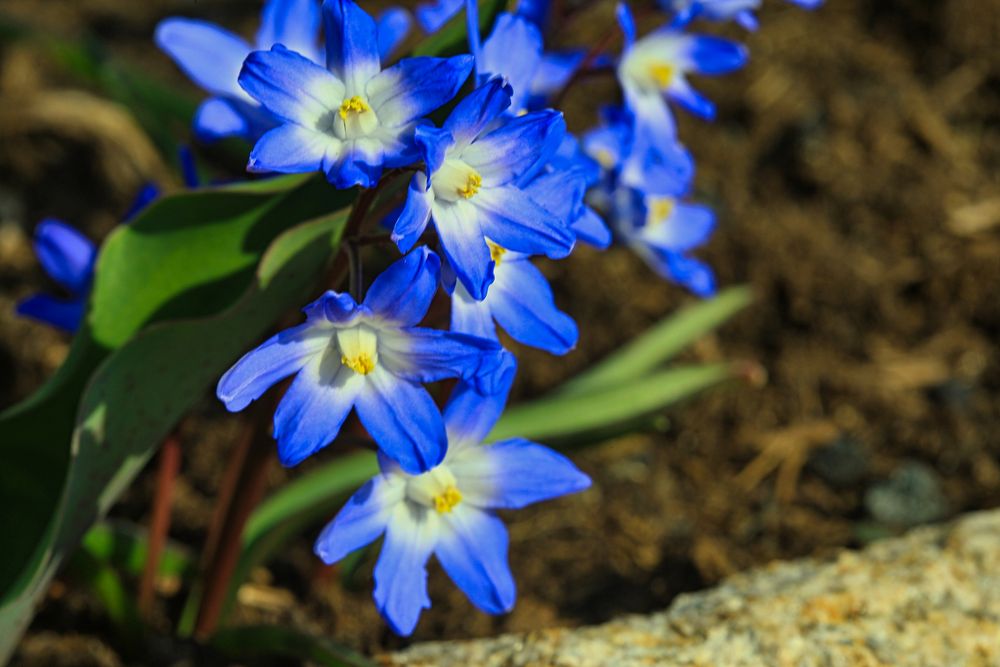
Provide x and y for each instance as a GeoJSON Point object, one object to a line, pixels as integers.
{"type": "Point", "coordinates": [497, 180]}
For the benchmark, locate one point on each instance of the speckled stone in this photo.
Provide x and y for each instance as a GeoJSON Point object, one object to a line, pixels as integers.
{"type": "Point", "coordinates": [928, 599]}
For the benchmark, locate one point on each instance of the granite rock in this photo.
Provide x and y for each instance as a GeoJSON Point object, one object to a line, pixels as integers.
{"type": "Point", "coordinates": [930, 599]}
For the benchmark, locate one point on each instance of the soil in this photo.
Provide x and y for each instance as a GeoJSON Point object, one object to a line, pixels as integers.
{"type": "Point", "coordinates": [854, 167]}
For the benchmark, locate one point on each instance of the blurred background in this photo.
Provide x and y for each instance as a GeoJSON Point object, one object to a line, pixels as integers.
{"type": "Point", "coordinates": [854, 167]}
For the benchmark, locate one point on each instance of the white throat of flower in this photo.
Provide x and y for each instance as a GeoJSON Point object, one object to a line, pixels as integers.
{"type": "Point", "coordinates": [456, 180]}
{"type": "Point", "coordinates": [358, 348]}
{"type": "Point", "coordinates": [355, 118]}
{"type": "Point", "coordinates": [436, 489]}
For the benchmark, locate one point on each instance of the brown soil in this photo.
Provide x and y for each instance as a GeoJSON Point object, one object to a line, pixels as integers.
{"type": "Point", "coordinates": [854, 167]}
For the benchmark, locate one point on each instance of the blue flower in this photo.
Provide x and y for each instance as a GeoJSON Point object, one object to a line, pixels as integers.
{"type": "Point", "coordinates": [513, 51]}
{"type": "Point", "coordinates": [449, 512]}
{"type": "Point", "coordinates": [470, 187]}
{"type": "Point", "coordinates": [68, 257]}
{"type": "Point", "coordinates": [369, 356]}
{"type": "Point", "coordinates": [352, 118]}
{"type": "Point", "coordinates": [741, 11]}
{"type": "Point", "coordinates": [657, 66]}
{"type": "Point", "coordinates": [521, 302]}
{"type": "Point", "coordinates": [212, 57]}
{"type": "Point", "coordinates": [646, 210]}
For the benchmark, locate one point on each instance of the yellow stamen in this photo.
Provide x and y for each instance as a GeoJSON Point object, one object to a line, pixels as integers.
{"type": "Point", "coordinates": [471, 185]}
{"type": "Point", "coordinates": [662, 74]}
{"type": "Point", "coordinates": [659, 210]}
{"type": "Point", "coordinates": [496, 252]}
{"type": "Point", "coordinates": [605, 158]}
{"type": "Point", "coordinates": [355, 104]}
{"type": "Point", "coordinates": [446, 501]}
{"type": "Point", "coordinates": [362, 364]}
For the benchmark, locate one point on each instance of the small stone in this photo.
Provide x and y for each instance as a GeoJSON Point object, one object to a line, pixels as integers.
{"type": "Point", "coordinates": [912, 496]}
{"type": "Point", "coordinates": [842, 463]}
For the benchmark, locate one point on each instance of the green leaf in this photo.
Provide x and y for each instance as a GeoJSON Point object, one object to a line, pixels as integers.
{"type": "Point", "coordinates": [125, 547]}
{"type": "Point", "coordinates": [561, 417]}
{"type": "Point", "coordinates": [253, 641]}
{"type": "Point", "coordinates": [105, 583]}
{"type": "Point", "coordinates": [661, 343]}
{"type": "Point", "coordinates": [142, 389]}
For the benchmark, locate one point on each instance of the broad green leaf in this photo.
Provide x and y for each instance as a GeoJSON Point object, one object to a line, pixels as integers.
{"type": "Point", "coordinates": [661, 343]}
{"type": "Point", "coordinates": [253, 641]}
{"type": "Point", "coordinates": [142, 389]}
{"type": "Point", "coordinates": [561, 417]}
{"type": "Point", "coordinates": [125, 547]}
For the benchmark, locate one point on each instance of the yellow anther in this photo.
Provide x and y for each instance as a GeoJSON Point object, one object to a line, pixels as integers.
{"type": "Point", "coordinates": [355, 104]}
{"type": "Point", "coordinates": [496, 252]}
{"type": "Point", "coordinates": [446, 501]}
{"type": "Point", "coordinates": [662, 73]}
{"type": "Point", "coordinates": [659, 210]}
{"type": "Point", "coordinates": [362, 364]}
{"type": "Point", "coordinates": [472, 185]}
{"type": "Point", "coordinates": [605, 158]}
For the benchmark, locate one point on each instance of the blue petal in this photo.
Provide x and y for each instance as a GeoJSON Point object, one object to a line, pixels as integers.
{"type": "Point", "coordinates": [473, 408]}
{"type": "Point", "coordinates": [591, 229]}
{"type": "Point", "coordinates": [314, 408]}
{"type": "Point", "coordinates": [558, 192]}
{"type": "Point", "coordinates": [626, 22]}
{"type": "Point", "coordinates": [293, 23]}
{"type": "Point", "coordinates": [65, 254]}
{"type": "Point", "coordinates": [513, 220]}
{"type": "Point", "coordinates": [807, 4]}
{"type": "Point", "coordinates": [713, 55]}
{"type": "Point", "coordinates": [278, 357]}
{"type": "Point", "coordinates": [428, 355]}
{"type": "Point", "coordinates": [477, 110]}
{"type": "Point", "coordinates": [65, 314]}
{"type": "Point", "coordinates": [293, 149]}
{"type": "Point", "coordinates": [416, 213]}
{"type": "Point", "coordinates": [433, 15]}
{"type": "Point", "coordinates": [658, 165]}
{"type": "Point", "coordinates": [692, 100]}
{"type": "Point", "coordinates": [393, 25]}
{"type": "Point", "coordinates": [217, 118]}
{"type": "Point", "coordinates": [351, 44]}
{"type": "Point", "coordinates": [209, 55]}
{"type": "Point", "coordinates": [536, 11]}
{"type": "Point", "coordinates": [403, 292]}
{"type": "Point", "coordinates": [463, 244]}
{"type": "Point", "coordinates": [523, 305]}
{"type": "Point", "coordinates": [414, 87]}
{"type": "Point", "coordinates": [747, 20]}
{"type": "Point", "coordinates": [514, 148]}
{"type": "Point", "coordinates": [359, 162]}
{"type": "Point", "coordinates": [513, 50]}
{"type": "Point", "coordinates": [292, 87]}
{"type": "Point", "coordinates": [470, 316]}
{"type": "Point", "coordinates": [514, 473]}
{"type": "Point", "coordinates": [146, 196]}
{"type": "Point", "coordinates": [334, 307]}
{"type": "Point", "coordinates": [690, 273]}
{"type": "Point", "coordinates": [403, 420]}
{"type": "Point", "coordinates": [688, 226]}
{"type": "Point", "coordinates": [362, 519]}
{"type": "Point", "coordinates": [554, 71]}
{"type": "Point", "coordinates": [401, 572]}
{"type": "Point", "coordinates": [472, 549]}
{"type": "Point", "coordinates": [433, 144]}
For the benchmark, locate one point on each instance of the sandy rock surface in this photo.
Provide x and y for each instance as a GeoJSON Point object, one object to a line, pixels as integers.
{"type": "Point", "coordinates": [930, 598]}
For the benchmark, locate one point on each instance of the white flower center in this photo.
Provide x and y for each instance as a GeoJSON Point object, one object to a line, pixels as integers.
{"type": "Point", "coordinates": [456, 180]}
{"type": "Point", "coordinates": [355, 118]}
{"type": "Point", "coordinates": [435, 489]}
{"type": "Point", "coordinates": [358, 348]}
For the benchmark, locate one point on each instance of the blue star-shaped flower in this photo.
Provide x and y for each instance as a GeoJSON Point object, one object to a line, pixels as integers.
{"type": "Point", "coordinates": [352, 118]}
{"type": "Point", "coordinates": [370, 357]}
{"type": "Point", "coordinates": [471, 190]}
{"type": "Point", "coordinates": [449, 511]}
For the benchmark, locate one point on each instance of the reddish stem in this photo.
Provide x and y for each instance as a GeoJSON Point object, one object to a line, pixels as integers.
{"type": "Point", "coordinates": [247, 493]}
{"type": "Point", "coordinates": [159, 524]}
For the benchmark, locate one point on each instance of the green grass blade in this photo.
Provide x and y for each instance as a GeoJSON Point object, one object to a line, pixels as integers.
{"type": "Point", "coordinates": [661, 343]}
{"type": "Point", "coordinates": [253, 641]}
